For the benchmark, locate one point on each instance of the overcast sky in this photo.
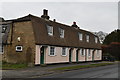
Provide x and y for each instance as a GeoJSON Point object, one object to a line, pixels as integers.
{"type": "Point", "coordinates": [91, 16]}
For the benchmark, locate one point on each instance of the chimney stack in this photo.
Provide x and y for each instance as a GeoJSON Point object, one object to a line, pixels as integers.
{"type": "Point", "coordinates": [45, 14]}
{"type": "Point", "coordinates": [74, 25]}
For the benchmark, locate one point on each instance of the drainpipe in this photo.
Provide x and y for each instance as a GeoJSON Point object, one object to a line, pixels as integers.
{"type": "Point", "coordinates": [11, 33]}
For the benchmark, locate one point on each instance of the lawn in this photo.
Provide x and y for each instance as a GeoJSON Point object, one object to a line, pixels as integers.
{"type": "Point", "coordinates": [12, 66]}
{"type": "Point", "coordinates": [82, 66]}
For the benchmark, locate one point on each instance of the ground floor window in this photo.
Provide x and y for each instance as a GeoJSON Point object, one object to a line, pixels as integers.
{"type": "Point", "coordinates": [64, 52]}
{"type": "Point", "coordinates": [1, 49]}
{"type": "Point", "coordinates": [19, 48]}
{"type": "Point", "coordinates": [98, 54]}
{"type": "Point", "coordinates": [52, 51]}
{"type": "Point", "coordinates": [89, 54]}
{"type": "Point", "coordinates": [82, 52]}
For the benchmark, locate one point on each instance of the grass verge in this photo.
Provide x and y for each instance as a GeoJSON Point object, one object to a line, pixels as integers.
{"type": "Point", "coordinates": [13, 66]}
{"type": "Point", "coordinates": [81, 66]}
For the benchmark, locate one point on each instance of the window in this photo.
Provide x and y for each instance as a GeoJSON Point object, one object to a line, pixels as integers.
{"type": "Point", "coordinates": [50, 30]}
{"type": "Point", "coordinates": [87, 38]}
{"type": "Point", "coordinates": [82, 52]}
{"type": "Point", "coordinates": [98, 55]}
{"type": "Point", "coordinates": [61, 31]}
{"type": "Point", "coordinates": [4, 29]}
{"type": "Point", "coordinates": [64, 52]}
{"type": "Point", "coordinates": [52, 51]}
{"type": "Point", "coordinates": [1, 48]}
{"type": "Point", "coordinates": [96, 40]}
{"type": "Point", "coordinates": [80, 36]}
{"type": "Point", "coordinates": [18, 48]}
{"type": "Point", "coordinates": [89, 53]}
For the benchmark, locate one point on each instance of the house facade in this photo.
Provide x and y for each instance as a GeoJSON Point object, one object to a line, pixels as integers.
{"type": "Point", "coordinates": [38, 40]}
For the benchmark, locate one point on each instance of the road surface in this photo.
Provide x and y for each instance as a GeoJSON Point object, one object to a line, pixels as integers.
{"type": "Point", "coordinates": [109, 71]}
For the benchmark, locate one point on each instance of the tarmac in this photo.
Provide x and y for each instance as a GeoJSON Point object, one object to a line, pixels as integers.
{"type": "Point", "coordinates": [38, 70]}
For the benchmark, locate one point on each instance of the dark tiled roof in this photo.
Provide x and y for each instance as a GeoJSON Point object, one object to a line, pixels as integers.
{"type": "Point", "coordinates": [71, 38]}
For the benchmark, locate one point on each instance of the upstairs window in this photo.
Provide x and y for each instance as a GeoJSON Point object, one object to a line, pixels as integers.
{"type": "Point", "coordinates": [64, 53]}
{"type": "Point", "coordinates": [96, 40]}
{"type": "Point", "coordinates": [52, 51]}
{"type": "Point", "coordinates": [80, 36]}
{"type": "Point", "coordinates": [61, 31]}
{"type": "Point", "coordinates": [87, 38]}
{"type": "Point", "coordinates": [50, 30]}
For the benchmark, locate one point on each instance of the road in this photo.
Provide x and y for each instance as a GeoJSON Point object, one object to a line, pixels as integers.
{"type": "Point", "coordinates": [110, 71]}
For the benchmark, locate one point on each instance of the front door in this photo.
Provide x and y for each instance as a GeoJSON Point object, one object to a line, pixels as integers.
{"type": "Point", "coordinates": [76, 55]}
{"type": "Point", "coordinates": [70, 55]}
{"type": "Point", "coordinates": [93, 55]}
{"type": "Point", "coordinates": [42, 55]}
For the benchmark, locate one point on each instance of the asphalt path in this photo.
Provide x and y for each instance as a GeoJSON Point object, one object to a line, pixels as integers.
{"type": "Point", "coordinates": [109, 71]}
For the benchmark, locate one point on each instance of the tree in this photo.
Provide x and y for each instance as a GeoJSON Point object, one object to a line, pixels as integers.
{"type": "Point", "coordinates": [114, 36]}
{"type": "Point", "coordinates": [112, 41]}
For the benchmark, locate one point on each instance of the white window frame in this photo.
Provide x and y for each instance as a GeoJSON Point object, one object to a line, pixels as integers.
{"type": "Point", "coordinates": [50, 51]}
{"type": "Point", "coordinates": [80, 36]}
{"type": "Point", "coordinates": [17, 50]}
{"type": "Point", "coordinates": [96, 40]}
{"type": "Point", "coordinates": [61, 31]}
{"type": "Point", "coordinates": [50, 30]}
{"type": "Point", "coordinates": [87, 38]}
{"type": "Point", "coordinates": [65, 51]}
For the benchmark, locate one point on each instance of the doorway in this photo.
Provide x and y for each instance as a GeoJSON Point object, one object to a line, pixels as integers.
{"type": "Point", "coordinates": [70, 55]}
{"type": "Point", "coordinates": [29, 55]}
{"type": "Point", "coordinates": [77, 56]}
{"type": "Point", "coordinates": [42, 55]}
{"type": "Point", "coordinates": [93, 54]}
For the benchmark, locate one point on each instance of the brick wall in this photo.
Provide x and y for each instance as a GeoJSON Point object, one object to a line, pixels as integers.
{"type": "Point", "coordinates": [25, 32]}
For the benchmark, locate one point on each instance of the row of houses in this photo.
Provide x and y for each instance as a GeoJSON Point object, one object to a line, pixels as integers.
{"type": "Point", "coordinates": [39, 40]}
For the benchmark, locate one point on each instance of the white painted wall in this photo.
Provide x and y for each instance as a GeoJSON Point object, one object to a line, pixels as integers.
{"type": "Point", "coordinates": [58, 58]}
{"type": "Point", "coordinates": [37, 55]}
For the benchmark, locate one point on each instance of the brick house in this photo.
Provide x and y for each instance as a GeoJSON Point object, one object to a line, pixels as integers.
{"type": "Point", "coordinates": [38, 40]}
{"type": "Point", "coordinates": [111, 50]}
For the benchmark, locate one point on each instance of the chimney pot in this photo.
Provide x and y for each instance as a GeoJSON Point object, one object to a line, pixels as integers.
{"type": "Point", "coordinates": [54, 20]}
{"type": "Point", "coordinates": [74, 23]}
{"type": "Point", "coordinates": [45, 12]}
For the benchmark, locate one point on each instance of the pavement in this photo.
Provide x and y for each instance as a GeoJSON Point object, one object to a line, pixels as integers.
{"type": "Point", "coordinates": [37, 71]}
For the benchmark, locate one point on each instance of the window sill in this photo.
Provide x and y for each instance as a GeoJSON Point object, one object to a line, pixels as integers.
{"type": "Point", "coordinates": [50, 34]}
{"type": "Point", "coordinates": [52, 55]}
{"type": "Point", "coordinates": [64, 55]}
